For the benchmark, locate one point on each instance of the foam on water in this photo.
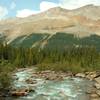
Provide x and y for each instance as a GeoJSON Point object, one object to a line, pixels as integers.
{"type": "Point", "coordinates": [68, 89]}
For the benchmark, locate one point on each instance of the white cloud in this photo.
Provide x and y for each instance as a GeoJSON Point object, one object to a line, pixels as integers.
{"type": "Point", "coordinates": [68, 4]}
{"type": "Point", "coordinates": [73, 4]}
{"type": "Point", "coordinates": [13, 5]}
{"type": "Point", "coordinates": [3, 12]}
{"type": "Point", "coordinates": [25, 13]}
{"type": "Point", "coordinates": [45, 5]}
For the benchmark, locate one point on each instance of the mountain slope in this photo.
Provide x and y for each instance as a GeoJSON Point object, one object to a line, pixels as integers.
{"type": "Point", "coordinates": [36, 29]}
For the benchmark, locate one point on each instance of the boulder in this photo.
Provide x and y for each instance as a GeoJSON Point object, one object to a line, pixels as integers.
{"type": "Point", "coordinates": [97, 85]}
{"type": "Point", "coordinates": [98, 92]}
{"type": "Point", "coordinates": [92, 75]}
{"type": "Point", "coordinates": [82, 75]}
{"type": "Point", "coordinates": [31, 88]}
{"type": "Point", "coordinates": [20, 92]}
{"type": "Point", "coordinates": [89, 77]}
{"type": "Point", "coordinates": [94, 95]}
{"type": "Point", "coordinates": [97, 80]}
{"type": "Point", "coordinates": [30, 81]}
{"type": "Point", "coordinates": [51, 77]}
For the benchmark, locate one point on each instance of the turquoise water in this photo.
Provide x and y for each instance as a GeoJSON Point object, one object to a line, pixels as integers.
{"type": "Point", "coordinates": [68, 89]}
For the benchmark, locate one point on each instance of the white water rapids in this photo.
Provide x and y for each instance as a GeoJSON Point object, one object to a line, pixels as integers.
{"type": "Point", "coordinates": [68, 89]}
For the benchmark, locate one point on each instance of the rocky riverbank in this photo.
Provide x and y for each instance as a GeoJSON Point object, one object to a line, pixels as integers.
{"type": "Point", "coordinates": [95, 77]}
{"type": "Point", "coordinates": [27, 81]}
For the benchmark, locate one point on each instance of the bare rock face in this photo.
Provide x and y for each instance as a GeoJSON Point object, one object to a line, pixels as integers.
{"type": "Point", "coordinates": [82, 22]}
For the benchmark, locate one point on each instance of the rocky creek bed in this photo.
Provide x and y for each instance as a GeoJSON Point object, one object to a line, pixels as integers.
{"type": "Point", "coordinates": [29, 84]}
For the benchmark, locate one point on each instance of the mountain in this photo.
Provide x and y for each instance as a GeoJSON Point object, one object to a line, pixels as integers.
{"type": "Point", "coordinates": [41, 28]}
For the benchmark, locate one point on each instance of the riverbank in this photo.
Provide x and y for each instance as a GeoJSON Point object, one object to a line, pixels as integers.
{"type": "Point", "coordinates": [27, 81]}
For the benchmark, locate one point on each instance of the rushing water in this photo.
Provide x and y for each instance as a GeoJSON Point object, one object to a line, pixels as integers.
{"type": "Point", "coordinates": [68, 89]}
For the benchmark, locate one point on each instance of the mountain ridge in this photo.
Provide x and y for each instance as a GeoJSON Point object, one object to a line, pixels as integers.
{"type": "Point", "coordinates": [81, 22]}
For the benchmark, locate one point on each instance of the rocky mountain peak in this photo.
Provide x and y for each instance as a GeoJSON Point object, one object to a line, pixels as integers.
{"type": "Point", "coordinates": [56, 10]}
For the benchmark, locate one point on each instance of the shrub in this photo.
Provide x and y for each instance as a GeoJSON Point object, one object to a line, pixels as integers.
{"type": "Point", "coordinates": [5, 80]}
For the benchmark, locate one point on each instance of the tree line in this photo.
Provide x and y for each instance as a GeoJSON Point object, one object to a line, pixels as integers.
{"type": "Point", "coordinates": [86, 57]}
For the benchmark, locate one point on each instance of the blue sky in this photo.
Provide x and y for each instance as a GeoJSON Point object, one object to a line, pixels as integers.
{"type": "Point", "coordinates": [24, 8]}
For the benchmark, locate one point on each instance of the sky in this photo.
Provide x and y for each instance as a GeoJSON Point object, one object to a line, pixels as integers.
{"type": "Point", "coordinates": [24, 8]}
